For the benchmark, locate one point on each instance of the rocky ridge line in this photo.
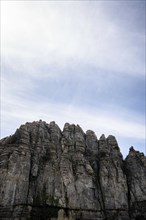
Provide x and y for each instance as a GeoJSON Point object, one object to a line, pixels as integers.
{"type": "Point", "coordinates": [49, 174]}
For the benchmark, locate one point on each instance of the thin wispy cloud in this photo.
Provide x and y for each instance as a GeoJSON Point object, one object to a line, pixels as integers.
{"type": "Point", "coordinates": [63, 33]}
{"type": "Point", "coordinates": [81, 61]}
{"type": "Point", "coordinates": [101, 121]}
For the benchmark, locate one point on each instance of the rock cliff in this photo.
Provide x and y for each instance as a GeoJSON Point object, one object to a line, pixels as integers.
{"type": "Point", "coordinates": [49, 174]}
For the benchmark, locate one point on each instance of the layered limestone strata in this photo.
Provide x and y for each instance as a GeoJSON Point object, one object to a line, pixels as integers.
{"type": "Point", "coordinates": [49, 174]}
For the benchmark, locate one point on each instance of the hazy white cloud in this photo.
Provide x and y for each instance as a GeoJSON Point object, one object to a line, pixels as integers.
{"type": "Point", "coordinates": [16, 106]}
{"type": "Point", "coordinates": [63, 33]}
{"type": "Point", "coordinates": [42, 39]}
{"type": "Point", "coordinates": [15, 113]}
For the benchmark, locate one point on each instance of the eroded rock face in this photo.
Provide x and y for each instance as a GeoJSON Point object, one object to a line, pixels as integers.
{"type": "Point", "coordinates": [135, 165]}
{"type": "Point", "coordinates": [49, 174]}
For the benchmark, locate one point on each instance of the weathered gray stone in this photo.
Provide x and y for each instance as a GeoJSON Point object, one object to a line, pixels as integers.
{"type": "Point", "coordinates": [49, 174]}
{"type": "Point", "coordinates": [135, 165]}
{"type": "Point", "coordinates": [112, 180]}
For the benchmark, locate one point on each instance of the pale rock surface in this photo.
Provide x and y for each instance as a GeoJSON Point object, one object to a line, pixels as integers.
{"type": "Point", "coordinates": [49, 174]}
{"type": "Point", "coordinates": [135, 165]}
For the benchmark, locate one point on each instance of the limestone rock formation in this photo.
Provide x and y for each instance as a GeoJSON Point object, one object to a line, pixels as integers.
{"type": "Point", "coordinates": [49, 174]}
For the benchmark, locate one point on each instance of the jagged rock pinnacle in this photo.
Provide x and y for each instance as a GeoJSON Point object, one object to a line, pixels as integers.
{"type": "Point", "coordinates": [49, 174]}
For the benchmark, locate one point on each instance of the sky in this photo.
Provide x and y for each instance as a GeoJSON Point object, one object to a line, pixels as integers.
{"type": "Point", "coordinates": [81, 62]}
